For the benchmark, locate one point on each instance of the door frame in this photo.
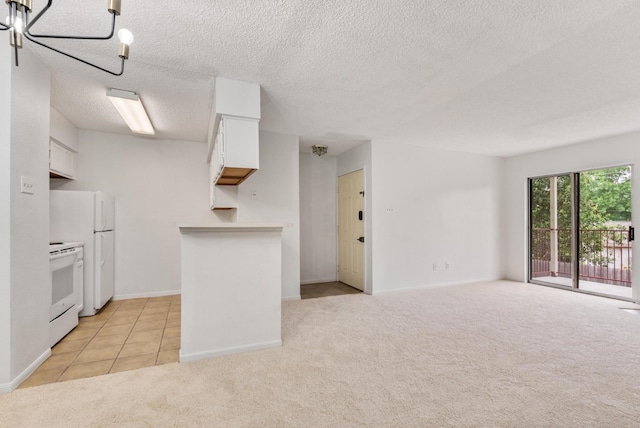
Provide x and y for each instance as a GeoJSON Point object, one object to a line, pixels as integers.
{"type": "Point", "coordinates": [575, 224]}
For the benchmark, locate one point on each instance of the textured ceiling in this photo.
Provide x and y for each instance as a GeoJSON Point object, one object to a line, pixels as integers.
{"type": "Point", "coordinates": [498, 77]}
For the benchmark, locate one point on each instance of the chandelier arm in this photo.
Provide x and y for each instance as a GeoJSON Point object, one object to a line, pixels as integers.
{"type": "Point", "coordinates": [51, 36]}
{"type": "Point", "coordinates": [15, 46]}
{"type": "Point", "coordinates": [3, 27]}
{"type": "Point", "coordinates": [29, 24]}
{"type": "Point", "coordinates": [76, 58]}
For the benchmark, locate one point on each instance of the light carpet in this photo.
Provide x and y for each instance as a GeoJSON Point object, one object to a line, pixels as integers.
{"type": "Point", "coordinates": [500, 354]}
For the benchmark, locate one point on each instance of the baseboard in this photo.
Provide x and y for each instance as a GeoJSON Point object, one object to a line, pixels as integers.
{"type": "Point", "coordinates": [8, 387]}
{"type": "Point", "coordinates": [174, 293]}
{"type": "Point", "coordinates": [439, 284]}
{"type": "Point", "coordinates": [144, 295]}
{"type": "Point", "coordinates": [185, 358]}
{"type": "Point", "coordinates": [318, 281]}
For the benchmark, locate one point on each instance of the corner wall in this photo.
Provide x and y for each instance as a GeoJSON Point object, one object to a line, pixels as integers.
{"type": "Point", "coordinates": [434, 207]}
{"type": "Point", "coordinates": [24, 218]}
{"type": "Point", "coordinates": [277, 199]}
{"type": "Point", "coordinates": [601, 153]}
{"type": "Point", "coordinates": [318, 235]}
{"type": "Point", "coordinates": [5, 215]}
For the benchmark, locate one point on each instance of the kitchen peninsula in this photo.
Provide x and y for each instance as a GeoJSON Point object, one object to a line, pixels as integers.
{"type": "Point", "coordinates": [231, 288]}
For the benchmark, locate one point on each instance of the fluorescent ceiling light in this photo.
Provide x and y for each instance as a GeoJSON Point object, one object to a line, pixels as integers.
{"type": "Point", "coordinates": [132, 111]}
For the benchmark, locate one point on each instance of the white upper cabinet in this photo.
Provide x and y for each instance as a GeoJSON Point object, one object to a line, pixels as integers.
{"type": "Point", "coordinates": [235, 154]}
{"type": "Point", "coordinates": [62, 161]}
{"type": "Point", "coordinates": [63, 131]}
{"type": "Point", "coordinates": [234, 132]}
{"type": "Point", "coordinates": [63, 146]}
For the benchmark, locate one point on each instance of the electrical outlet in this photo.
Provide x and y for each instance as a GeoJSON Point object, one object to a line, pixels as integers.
{"type": "Point", "coordinates": [446, 265]}
{"type": "Point", "coordinates": [435, 266]}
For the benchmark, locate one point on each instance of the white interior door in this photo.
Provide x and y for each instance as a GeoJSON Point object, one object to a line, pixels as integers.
{"type": "Point", "coordinates": [351, 229]}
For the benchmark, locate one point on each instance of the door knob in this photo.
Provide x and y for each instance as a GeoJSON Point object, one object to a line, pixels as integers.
{"type": "Point", "coordinates": [361, 239]}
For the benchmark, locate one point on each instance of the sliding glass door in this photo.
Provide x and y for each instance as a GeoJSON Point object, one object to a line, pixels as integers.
{"type": "Point", "coordinates": [605, 244]}
{"type": "Point", "coordinates": [551, 237]}
{"type": "Point", "coordinates": [581, 232]}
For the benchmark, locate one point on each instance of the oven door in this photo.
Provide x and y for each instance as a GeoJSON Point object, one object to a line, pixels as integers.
{"type": "Point", "coordinates": [63, 296]}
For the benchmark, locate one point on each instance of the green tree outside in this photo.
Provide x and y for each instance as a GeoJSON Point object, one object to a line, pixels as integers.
{"type": "Point", "coordinates": [605, 198]}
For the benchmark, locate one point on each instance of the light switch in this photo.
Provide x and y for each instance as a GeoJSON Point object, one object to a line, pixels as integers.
{"type": "Point", "coordinates": [254, 195]}
{"type": "Point", "coordinates": [26, 185]}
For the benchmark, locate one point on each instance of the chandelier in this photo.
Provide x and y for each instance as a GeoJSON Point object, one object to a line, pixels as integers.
{"type": "Point", "coordinates": [319, 149]}
{"type": "Point", "coordinates": [19, 23]}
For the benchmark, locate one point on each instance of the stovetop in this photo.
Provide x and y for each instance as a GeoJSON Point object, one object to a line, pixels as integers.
{"type": "Point", "coordinates": [59, 246]}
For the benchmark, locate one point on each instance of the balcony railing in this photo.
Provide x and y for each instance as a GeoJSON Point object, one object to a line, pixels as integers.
{"type": "Point", "coordinates": [605, 255]}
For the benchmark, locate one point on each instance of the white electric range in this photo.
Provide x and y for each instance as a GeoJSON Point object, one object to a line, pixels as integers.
{"type": "Point", "coordinates": [66, 266]}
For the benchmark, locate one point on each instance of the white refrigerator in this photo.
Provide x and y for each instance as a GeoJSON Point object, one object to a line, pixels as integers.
{"type": "Point", "coordinates": [88, 217]}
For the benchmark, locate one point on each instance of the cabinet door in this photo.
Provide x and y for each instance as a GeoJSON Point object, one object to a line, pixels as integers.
{"type": "Point", "coordinates": [69, 163]}
{"type": "Point", "coordinates": [241, 143]}
{"type": "Point", "coordinates": [56, 157]}
{"type": "Point", "coordinates": [220, 143]}
{"type": "Point", "coordinates": [62, 161]}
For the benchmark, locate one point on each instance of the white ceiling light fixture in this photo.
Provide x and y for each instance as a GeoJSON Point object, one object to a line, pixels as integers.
{"type": "Point", "coordinates": [132, 111]}
{"type": "Point", "coordinates": [19, 24]}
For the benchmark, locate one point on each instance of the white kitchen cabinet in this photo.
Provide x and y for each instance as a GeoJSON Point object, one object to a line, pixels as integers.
{"type": "Point", "coordinates": [235, 152]}
{"type": "Point", "coordinates": [62, 130]}
{"type": "Point", "coordinates": [221, 197]}
{"type": "Point", "coordinates": [62, 161]}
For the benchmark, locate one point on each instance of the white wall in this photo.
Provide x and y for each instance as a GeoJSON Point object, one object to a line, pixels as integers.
{"type": "Point", "coordinates": [156, 184]}
{"type": "Point", "coordinates": [434, 207]}
{"type": "Point", "coordinates": [277, 192]}
{"type": "Point", "coordinates": [318, 236]}
{"type": "Point", "coordinates": [5, 214]}
{"type": "Point", "coordinates": [24, 219]}
{"type": "Point", "coordinates": [602, 153]}
{"type": "Point", "coordinates": [355, 159]}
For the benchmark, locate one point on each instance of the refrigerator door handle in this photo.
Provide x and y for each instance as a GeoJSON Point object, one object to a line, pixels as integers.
{"type": "Point", "coordinates": [103, 254]}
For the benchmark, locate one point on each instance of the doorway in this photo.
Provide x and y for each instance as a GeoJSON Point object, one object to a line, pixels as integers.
{"type": "Point", "coordinates": [581, 233]}
{"type": "Point", "coordinates": [351, 229]}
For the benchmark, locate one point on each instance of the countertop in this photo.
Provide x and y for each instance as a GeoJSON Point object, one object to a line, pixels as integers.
{"type": "Point", "coordinates": [222, 227]}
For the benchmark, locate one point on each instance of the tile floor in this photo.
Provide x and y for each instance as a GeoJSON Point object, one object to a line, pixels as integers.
{"type": "Point", "coordinates": [324, 289]}
{"type": "Point", "coordinates": [125, 335]}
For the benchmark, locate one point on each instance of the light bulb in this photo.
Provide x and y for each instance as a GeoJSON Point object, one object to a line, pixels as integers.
{"type": "Point", "coordinates": [17, 25]}
{"type": "Point", "coordinates": [125, 36]}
